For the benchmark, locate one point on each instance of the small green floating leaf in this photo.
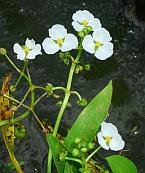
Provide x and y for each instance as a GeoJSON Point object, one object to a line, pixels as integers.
{"type": "Point", "coordinates": [120, 164]}
{"type": "Point", "coordinates": [88, 122]}
{"type": "Point", "coordinates": [56, 148]}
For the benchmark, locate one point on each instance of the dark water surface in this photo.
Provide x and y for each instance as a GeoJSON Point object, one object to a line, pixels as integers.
{"type": "Point", "coordinates": [32, 18]}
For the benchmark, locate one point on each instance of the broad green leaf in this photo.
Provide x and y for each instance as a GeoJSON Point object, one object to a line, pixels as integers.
{"type": "Point", "coordinates": [69, 168]}
{"type": "Point", "coordinates": [56, 148]}
{"type": "Point", "coordinates": [120, 164]}
{"type": "Point", "coordinates": [88, 122]}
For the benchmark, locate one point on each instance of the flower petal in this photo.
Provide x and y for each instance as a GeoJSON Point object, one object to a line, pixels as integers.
{"type": "Point", "coordinates": [102, 35]}
{"type": "Point", "coordinates": [95, 24]}
{"type": "Point", "coordinates": [31, 55]}
{"type": "Point", "coordinates": [81, 15]}
{"type": "Point", "coordinates": [102, 142]}
{"type": "Point", "coordinates": [57, 31]}
{"type": "Point", "coordinates": [49, 46]}
{"type": "Point", "coordinates": [19, 51]}
{"type": "Point", "coordinates": [34, 52]}
{"type": "Point", "coordinates": [70, 42]}
{"type": "Point", "coordinates": [78, 27]}
{"type": "Point", "coordinates": [104, 51]}
{"type": "Point", "coordinates": [108, 129]}
{"type": "Point", "coordinates": [30, 43]}
{"type": "Point", "coordinates": [37, 49]}
{"type": "Point", "coordinates": [88, 44]}
{"type": "Point", "coordinates": [116, 143]}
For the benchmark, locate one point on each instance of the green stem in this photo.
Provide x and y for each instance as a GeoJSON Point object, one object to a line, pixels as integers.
{"type": "Point", "coordinates": [92, 154]}
{"type": "Point", "coordinates": [73, 159]}
{"type": "Point", "coordinates": [43, 95]}
{"type": "Point", "coordinates": [17, 69]}
{"type": "Point", "coordinates": [25, 96]}
{"type": "Point", "coordinates": [25, 64]}
{"type": "Point", "coordinates": [77, 94]}
{"type": "Point", "coordinates": [21, 117]}
{"type": "Point", "coordinates": [64, 104]}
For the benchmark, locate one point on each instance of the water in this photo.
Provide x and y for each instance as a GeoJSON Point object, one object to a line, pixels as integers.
{"type": "Point", "coordinates": [29, 18]}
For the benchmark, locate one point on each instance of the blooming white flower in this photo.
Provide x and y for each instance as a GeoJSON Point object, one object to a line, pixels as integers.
{"type": "Point", "coordinates": [83, 19]}
{"type": "Point", "coordinates": [59, 40]}
{"type": "Point", "coordinates": [29, 50]}
{"type": "Point", "coordinates": [99, 44]}
{"type": "Point", "coordinates": [109, 138]}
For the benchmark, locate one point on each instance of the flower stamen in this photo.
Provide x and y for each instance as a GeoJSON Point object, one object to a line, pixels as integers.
{"type": "Point", "coordinates": [107, 139]}
{"type": "Point", "coordinates": [98, 44]}
{"type": "Point", "coordinates": [85, 22]}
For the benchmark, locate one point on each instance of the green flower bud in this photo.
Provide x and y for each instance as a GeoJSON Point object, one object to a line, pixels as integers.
{"type": "Point", "coordinates": [79, 68]}
{"type": "Point", "coordinates": [59, 103]}
{"type": "Point", "coordinates": [12, 88]}
{"type": "Point", "coordinates": [81, 34]}
{"type": "Point", "coordinates": [14, 108]}
{"type": "Point", "coordinates": [19, 131]}
{"type": "Point", "coordinates": [91, 145]}
{"type": "Point", "coordinates": [68, 105]}
{"type": "Point", "coordinates": [3, 51]}
{"type": "Point", "coordinates": [63, 155]}
{"type": "Point", "coordinates": [67, 54]}
{"type": "Point", "coordinates": [75, 152]}
{"type": "Point", "coordinates": [106, 171]}
{"type": "Point", "coordinates": [85, 31]}
{"type": "Point", "coordinates": [49, 88]}
{"type": "Point", "coordinates": [64, 57]}
{"type": "Point", "coordinates": [87, 67]}
{"type": "Point", "coordinates": [84, 149]}
{"type": "Point", "coordinates": [61, 55]}
{"type": "Point", "coordinates": [82, 102]}
{"type": "Point", "coordinates": [89, 28]}
{"type": "Point", "coordinates": [77, 140]}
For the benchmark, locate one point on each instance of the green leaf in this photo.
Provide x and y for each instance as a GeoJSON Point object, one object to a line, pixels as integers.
{"type": "Point", "coordinates": [70, 168]}
{"type": "Point", "coordinates": [57, 149]}
{"type": "Point", "coordinates": [88, 122]}
{"type": "Point", "coordinates": [120, 164]}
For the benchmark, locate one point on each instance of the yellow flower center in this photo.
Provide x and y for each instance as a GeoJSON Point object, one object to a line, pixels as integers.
{"type": "Point", "coordinates": [60, 41]}
{"type": "Point", "coordinates": [98, 44]}
{"type": "Point", "coordinates": [85, 22]}
{"type": "Point", "coordinates": [25, 48]}
{"type": "Point", "coordinates": [107, 139]}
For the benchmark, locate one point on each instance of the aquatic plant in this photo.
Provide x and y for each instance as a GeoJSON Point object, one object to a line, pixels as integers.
{"type": "Point", "coordinates": [75, 152]}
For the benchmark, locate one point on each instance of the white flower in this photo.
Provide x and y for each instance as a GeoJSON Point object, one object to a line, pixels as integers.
{"type": "Point", "coordinates": [59, 40]}
{"type": "Point", "coordinates": [83, 19]}
{"type": "Point", "coordinates": [99, 44]}
{"type": "Point", "coordinates": [109, 138]}
{"type": "Point", "coordinates": [29, 50]}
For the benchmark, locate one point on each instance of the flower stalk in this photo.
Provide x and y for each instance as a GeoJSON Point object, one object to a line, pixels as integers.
{"type": "Point", "coordinates": [64, 104]}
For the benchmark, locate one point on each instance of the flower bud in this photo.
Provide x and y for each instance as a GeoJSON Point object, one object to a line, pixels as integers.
{"type": "Point", "coordinates": [75, 152]}
{"type": "Point", "coordinates": [82, 102]}
{"type": "Point", "coordinates": [12, 88]}
{"type": "Point", "coordinates": [91, 145]}
{"type": "Point", "coordinates": [81, 34]}
{"type": "Point", "coordinates": [3, 51]}
{"type": "Point", "coordinates": [89, 28]}
{"type": "Point", "coordinates": [77, 140]}
{"type": "Point", "coordinates": [87, 67]}
{"type": "Point", "coordinates": [63, 155]}
{"type": "Point", "coordinates": [84, 149]}
{"type": "Point", "coordinates": [20, 131]}
{"type": "Point", "coordinates": [49, 88]}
